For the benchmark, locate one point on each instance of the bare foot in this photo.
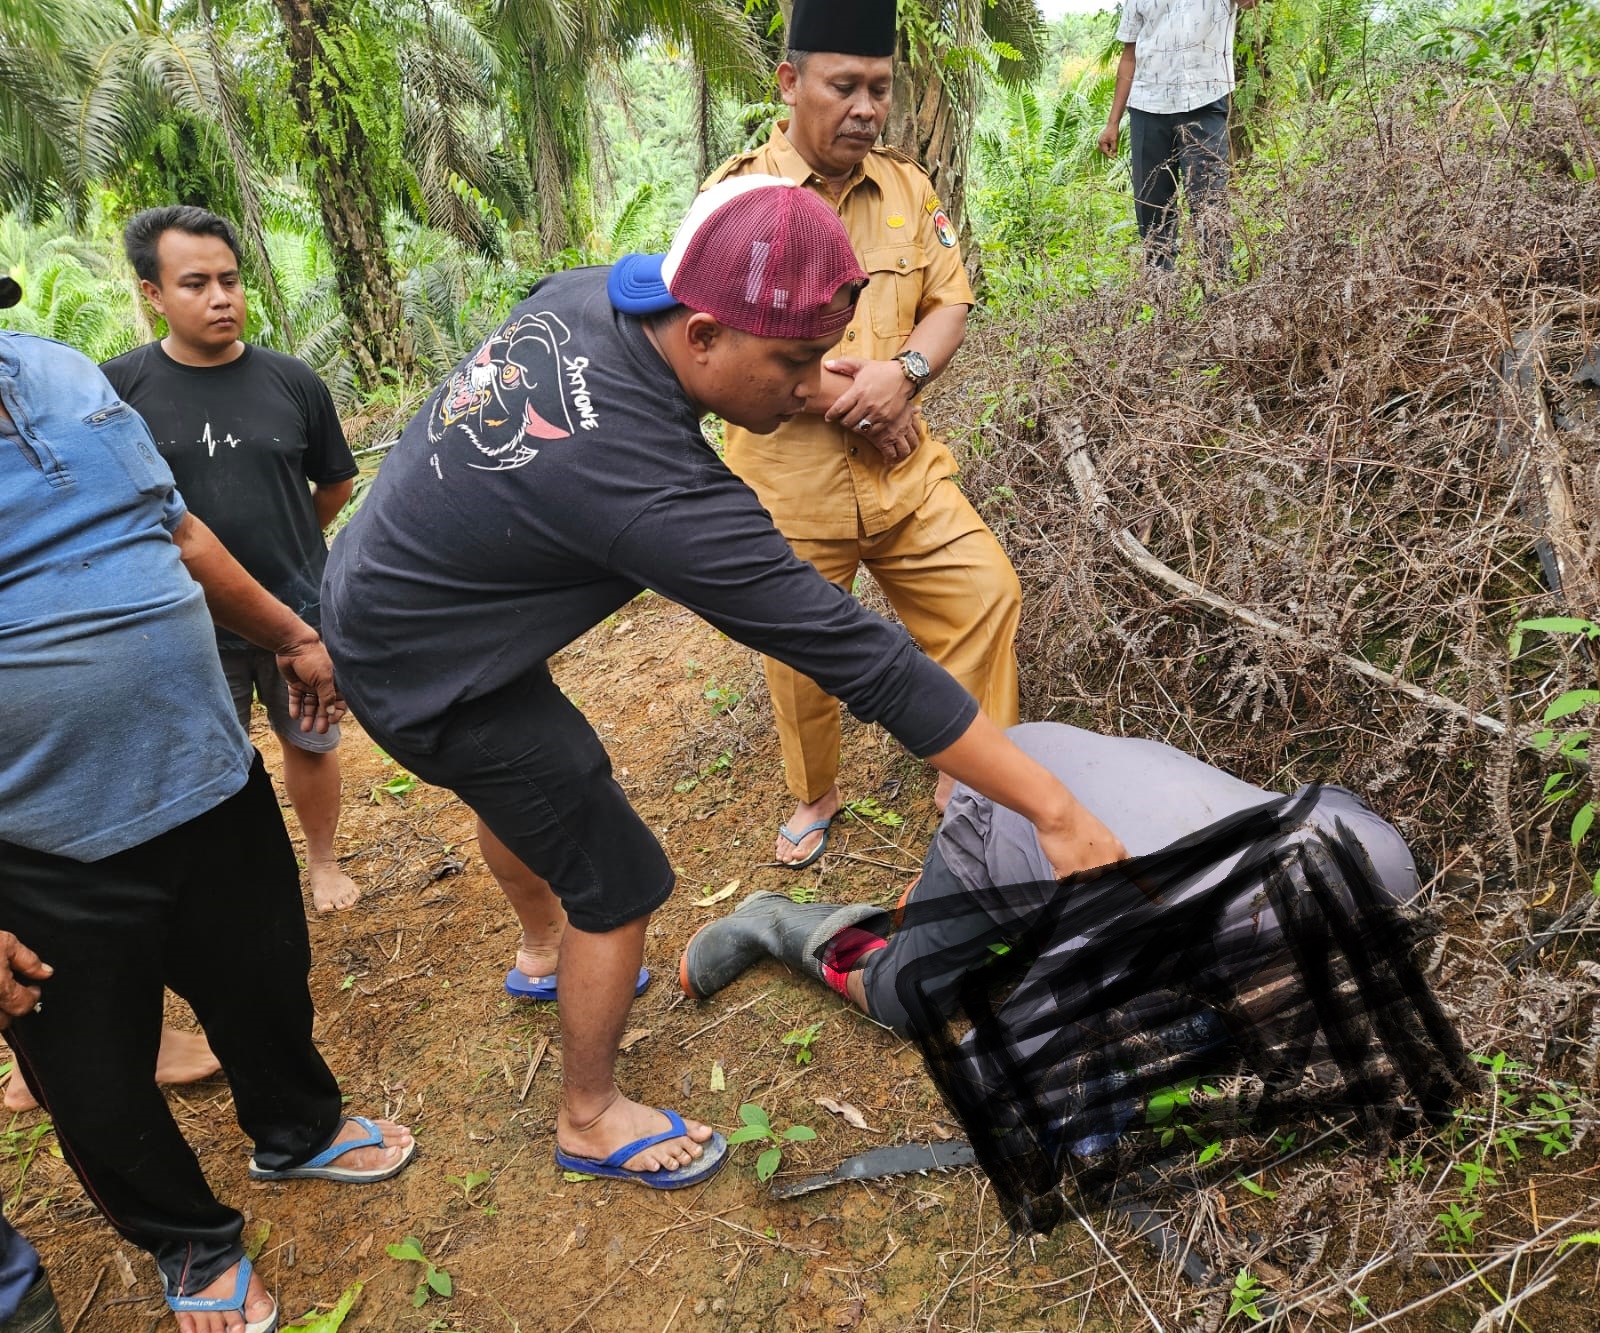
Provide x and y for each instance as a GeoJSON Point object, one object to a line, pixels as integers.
{"type": "Point", "coordinates": [19, 1096]}
{"type": "Point", "coordinates": [536, 958]}
{"type": "Point", "coordinates": [185, 1057]}
{"type": "Point", "coordinates": [942, 791]}
{"type": "Point", "coordinates": [396, 1139]}
{"type": "Point", "coordinates": [257, 1306]}
{"type": "Point", "coordinates": [825, 807]}
{"type": "Point", "coordinates": [622, 1122]}
{"type": "Point", "coordinates": [331, 889]}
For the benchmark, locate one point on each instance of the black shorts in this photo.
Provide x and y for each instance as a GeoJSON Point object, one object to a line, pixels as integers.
{"type": "Point", "coordinates": [530, 766]}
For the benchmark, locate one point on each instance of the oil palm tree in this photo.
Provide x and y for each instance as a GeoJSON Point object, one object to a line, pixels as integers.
{"type": "Point", "coordinates": [551, 51]}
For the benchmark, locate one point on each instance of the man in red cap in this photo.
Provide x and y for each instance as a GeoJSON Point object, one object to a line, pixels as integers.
{"type": "Point", "coordinates": [558, 471]}
{"type": "Point", "coordinates": [857, 479]}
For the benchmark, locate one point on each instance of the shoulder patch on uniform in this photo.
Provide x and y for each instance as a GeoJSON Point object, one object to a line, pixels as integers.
{"type": "Point", "coordinates": [933, 205]}
{"type": "Point", "coordinates": [730, 166]}
{"type": "Point", "coordinates": [947, 233]}
{"type": "Point", "coordinates": [887, 151]}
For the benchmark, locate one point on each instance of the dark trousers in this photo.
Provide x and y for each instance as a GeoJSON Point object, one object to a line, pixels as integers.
{"type": "Point", "coordinates": [211, 909]}
{"type": "Point", "coordinates": [1191, 146]}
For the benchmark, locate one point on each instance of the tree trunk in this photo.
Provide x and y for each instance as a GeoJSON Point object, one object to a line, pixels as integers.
{"type": "Point", "coordinates": [927, 123]}
{"type": "Point", "coordinates": [351, 206]}
{"type": "Point", "coordinates": [244, 181]}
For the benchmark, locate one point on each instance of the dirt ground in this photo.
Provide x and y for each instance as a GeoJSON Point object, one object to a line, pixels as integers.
{"type": "Point", "coordinates": [414, 1020]}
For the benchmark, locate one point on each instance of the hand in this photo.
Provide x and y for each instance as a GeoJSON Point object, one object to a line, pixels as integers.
{"type": "Point", "coordinates": [18, 961]}
{"type": "Point", "coordinates": [1083, 845]}
{"type": "Point", "coordinates": [878, 394]}
{"type": "Point", "coordinates": [1109, 136]}
{"type": "Point", "coordinates": [897, 440]}
{"type": "Point", "coordinates": [314, 698]}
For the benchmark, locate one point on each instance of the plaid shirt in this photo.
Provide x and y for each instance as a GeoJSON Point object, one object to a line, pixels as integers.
{"type": "Point", "coordinates": [1183, 50]}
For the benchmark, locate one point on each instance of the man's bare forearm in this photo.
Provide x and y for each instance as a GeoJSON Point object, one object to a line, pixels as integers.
{"type": "Point", "coordinates": [1124, 86]}
{"type": "Point", "coordinates": [329, 499]}
{"type": "Point", "coordinates": [236, 601]}
{"type": "Point", "coordinates": [939, 337]}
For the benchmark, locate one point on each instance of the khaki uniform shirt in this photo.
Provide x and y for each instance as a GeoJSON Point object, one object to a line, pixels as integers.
{"type": "Point", "coordinates": [817, 479]}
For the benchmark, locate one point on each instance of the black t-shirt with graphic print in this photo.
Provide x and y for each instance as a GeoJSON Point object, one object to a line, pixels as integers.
{"type": "Point", "coordinates": [557, 472]}
{"type": "Point", "coordinates": [242, 441]}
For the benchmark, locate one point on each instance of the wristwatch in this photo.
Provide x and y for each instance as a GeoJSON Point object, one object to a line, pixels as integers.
{"type": "Point", "coordinates": [916, 367]}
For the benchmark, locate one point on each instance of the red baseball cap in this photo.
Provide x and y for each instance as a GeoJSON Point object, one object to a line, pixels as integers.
{"type": "Point", "coordinates": [756, 253]}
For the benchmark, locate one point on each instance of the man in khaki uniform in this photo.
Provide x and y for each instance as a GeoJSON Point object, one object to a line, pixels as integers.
{"type": "Point", "coordinates": [858, 479]}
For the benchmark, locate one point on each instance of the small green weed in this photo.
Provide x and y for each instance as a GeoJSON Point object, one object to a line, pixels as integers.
{"type": "Point", "coordinates": [868, 810]}
{"type": "Point", "coordinates": [401, 784]}
{"type": "Point", "coordinates": [1246, 1295]}
{"type": "Point", "coordinates": [468, 1185]}
{"type": "Point", "coordinates": [1571, 745]}
{"type": "Point", "coordinates": [722, 698]}
{"type": "Point", "coordinates": [1164, 1111]}
{"type": "Point", "coordinates": [802, 1040]}
{"type": "Point", "coordinates": [1456, 1224]}
{"type": "Point", "coordinates": [435, 1281]}
{"type": "Point", "coordinates": [757, 1128]}
{"type": "Point", "coordinates": [22, 1146]}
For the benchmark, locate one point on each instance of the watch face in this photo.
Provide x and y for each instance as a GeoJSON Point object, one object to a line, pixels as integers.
{"type": "Point", "coordinates": [916, 363]}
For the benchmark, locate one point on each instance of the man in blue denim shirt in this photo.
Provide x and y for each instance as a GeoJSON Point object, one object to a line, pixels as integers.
{"type": "Point", "coordinates": [141, 845]}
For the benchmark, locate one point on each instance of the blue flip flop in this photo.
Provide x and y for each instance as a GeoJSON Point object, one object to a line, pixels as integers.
{"type": "Point", "coordinates": [321, 1167]}
{"type": "Point", "coordinates": [797, 838]}
{"type": "Point", "coordinates": [702, 1168]}
{"type": "Point", "coordinates": [524, 987]}
{"type": "Point", "coordinates": [223, 1304]}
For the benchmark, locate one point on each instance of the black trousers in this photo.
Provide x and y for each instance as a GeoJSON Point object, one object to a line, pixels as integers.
{"type": "Point", "coordinates": [211, 909]}
{"type": "Point", "coordinates": [1187, 145]}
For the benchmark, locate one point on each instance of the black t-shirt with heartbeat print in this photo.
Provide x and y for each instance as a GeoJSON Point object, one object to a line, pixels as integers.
{"type": "Point", "coordinates": [242, 441]}
{"type": "Point", "coordinates": [559, 470]}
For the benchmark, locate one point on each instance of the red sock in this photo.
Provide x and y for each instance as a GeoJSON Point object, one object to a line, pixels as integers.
{"type": "Point", "coordinates": [843, 954]}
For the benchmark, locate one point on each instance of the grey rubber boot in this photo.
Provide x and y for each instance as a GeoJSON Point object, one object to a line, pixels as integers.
{"type": "Point", "coordinates": [763, 925]}
{"type": "Point", "coordinates": [37, 1313]}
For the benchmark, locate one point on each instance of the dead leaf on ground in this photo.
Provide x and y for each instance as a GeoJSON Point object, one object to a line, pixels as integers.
{"type": "Point", "coordinates": [632, 1038]}
{"type": "Point", "coordinates": [719, 1080]}
{"type": "Point", "coordinates": [849, 1316]}
{"type": "Point", "coordinates": [850, 1115]}
{"type": "Point", "coordinates": [124, 1269]}
{"type": "Point", "coordinates": [726, 891]}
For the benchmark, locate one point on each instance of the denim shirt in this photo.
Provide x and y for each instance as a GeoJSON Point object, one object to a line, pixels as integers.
{"type": "Point", "coordinates": [115, 720]}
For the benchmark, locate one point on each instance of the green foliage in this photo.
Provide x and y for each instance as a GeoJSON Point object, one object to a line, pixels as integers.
{"type": "Point", "coordinates": [435, 1281]}
{"type": "Point", "coordinates": [757, 1128]}
{"type": "Point", "coordinates": [868, 810]}
{"type": "Point", "coordinates": [469, 1185]}
{"type": "Point", "coordinates": [1246, 1296]}
{"type": "Point", "coordinates": [1568, 744]}
{"type": "Point", "coordinates": [802, 1040]}
{"type": "Point", "coordinates": [1497, 40]}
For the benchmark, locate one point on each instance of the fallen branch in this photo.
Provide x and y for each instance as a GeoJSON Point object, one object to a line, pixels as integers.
{"type": "Point", "coordinates": [1092, 492]}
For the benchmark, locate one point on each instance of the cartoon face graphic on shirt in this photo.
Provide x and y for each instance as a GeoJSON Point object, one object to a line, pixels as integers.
{"type": "Point", "coordinates": [509, 396]}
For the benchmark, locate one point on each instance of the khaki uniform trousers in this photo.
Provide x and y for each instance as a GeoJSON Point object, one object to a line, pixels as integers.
{"type": "Point", "coordinates": [953, 587]}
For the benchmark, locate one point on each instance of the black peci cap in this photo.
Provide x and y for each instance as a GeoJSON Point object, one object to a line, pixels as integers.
{"type": "Point", "coordinates": [843, 27]}
{"type": "Point", "coordinates": [10, 293]}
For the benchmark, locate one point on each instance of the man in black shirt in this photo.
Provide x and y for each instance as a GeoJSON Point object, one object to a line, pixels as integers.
{"type": "Point", "coordinates": [244, 430]}
{"type": "Point", "coordinates": [560, 470]}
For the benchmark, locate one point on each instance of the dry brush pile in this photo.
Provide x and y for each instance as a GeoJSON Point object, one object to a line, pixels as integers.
{"type": "Point", "coordinates": [1222, 511]}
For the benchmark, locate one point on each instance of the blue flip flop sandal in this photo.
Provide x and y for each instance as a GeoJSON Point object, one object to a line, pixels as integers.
{"type": "Point", "coordinates": [797, 838]}
{"type": "Point", "coordinates": [223, 1304]}
{"type": "Point", "coordinates": [702, 1168]}
{"type": "Point", "coordinates": [523, 987]}
{"type": "Point", "coordinates": [321, 1167]}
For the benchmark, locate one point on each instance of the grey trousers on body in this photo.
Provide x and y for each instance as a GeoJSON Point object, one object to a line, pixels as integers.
{"type": "Point", "coordinates": [1191, 146]}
